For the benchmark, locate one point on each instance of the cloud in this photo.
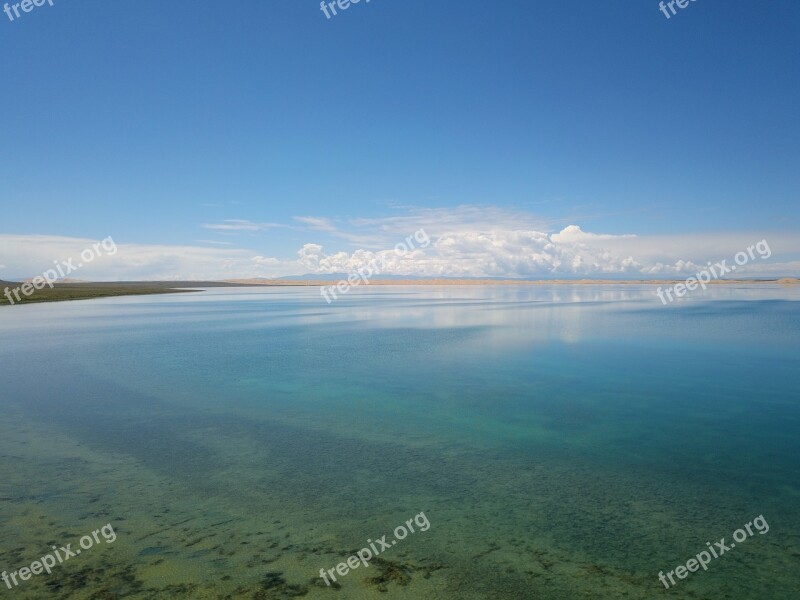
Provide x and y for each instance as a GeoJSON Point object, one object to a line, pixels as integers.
{"type": "Point", "coordinates": [318, 224]}
{"type": "Point", "coordinates": [493, 242]}
{"type": "Point", "coordinates": [216, 243]}
{"type": "Point", "coordinates": [230, 225]}
{"type": "Point", "coordinates": [330, 227]}
{"type": "Point", "coordinates": [465, 241]}
{"type": "Point", "coordinates": [573, 234]}
{"type": "Point", "coordinates": [266, 261]}
{"type": "Point", "coordinates": [31, 255]}
{"type": "Point", "coordinates": [439, 221]}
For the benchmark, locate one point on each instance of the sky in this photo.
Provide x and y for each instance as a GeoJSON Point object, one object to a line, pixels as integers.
{"type": "Point", "coordinates": [525, 139]}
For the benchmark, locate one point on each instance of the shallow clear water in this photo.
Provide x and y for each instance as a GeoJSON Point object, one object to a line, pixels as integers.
{"type": "Point", "coordinates": [562, 441]}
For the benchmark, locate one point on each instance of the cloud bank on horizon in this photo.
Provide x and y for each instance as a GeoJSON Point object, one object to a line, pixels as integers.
{"type": "Point", "coordinates": [466, 241]}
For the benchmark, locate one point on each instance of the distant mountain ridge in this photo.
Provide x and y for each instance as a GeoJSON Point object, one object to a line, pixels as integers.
{"type": "Point", "coordinates": [340, 276]}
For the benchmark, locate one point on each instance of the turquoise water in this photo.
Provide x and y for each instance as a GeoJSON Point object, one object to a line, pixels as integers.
{"type": "Point", "coordinates": [563, 442]}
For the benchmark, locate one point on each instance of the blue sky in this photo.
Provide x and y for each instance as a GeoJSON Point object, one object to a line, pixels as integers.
{"type": "Point", "coordinates": [201, 135]}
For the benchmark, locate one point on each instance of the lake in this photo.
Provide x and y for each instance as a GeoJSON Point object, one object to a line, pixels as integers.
{"type": "Point", "coordinates": [560, 441]}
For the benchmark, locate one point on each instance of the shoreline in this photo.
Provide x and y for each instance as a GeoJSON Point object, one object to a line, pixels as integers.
{"type": "Point", "coordinates": [62, 292]}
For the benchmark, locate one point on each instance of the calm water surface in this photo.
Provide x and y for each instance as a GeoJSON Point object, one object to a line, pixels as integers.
{"type": "Point", "coordinates": [563, 442]}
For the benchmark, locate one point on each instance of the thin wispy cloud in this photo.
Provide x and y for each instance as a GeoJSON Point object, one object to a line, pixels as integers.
{"type": "Point", "coordinates": [220, 204]}
{"type": "Point", "coordinates": [318, 224]}
{"type": "Point", "coordinates": [234, 225]}
{"type": "Point", "coordinates": [450, 220]}
{"type": "Point", "coordinates": [351, 235]}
